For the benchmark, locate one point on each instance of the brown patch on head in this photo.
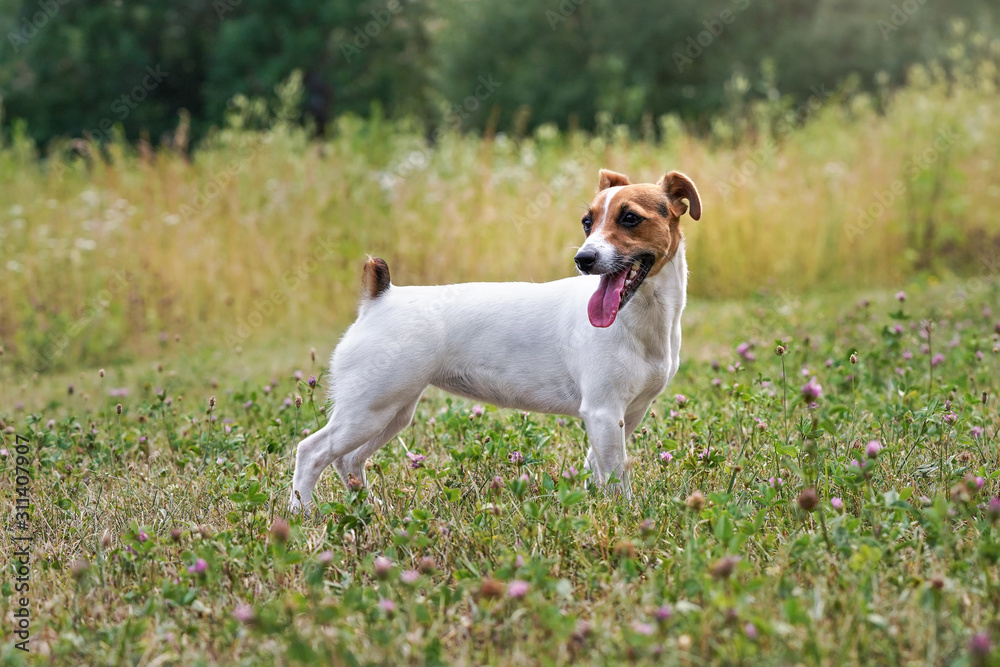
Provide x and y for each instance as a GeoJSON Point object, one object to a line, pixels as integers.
{"type": "Point", "coordinates": [375, 278]}
{"type": "Point", "coordinates": [644, 218]}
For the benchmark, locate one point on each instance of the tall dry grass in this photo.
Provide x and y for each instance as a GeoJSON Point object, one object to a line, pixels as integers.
{"type": "Point", "coordinates": [263, 235]}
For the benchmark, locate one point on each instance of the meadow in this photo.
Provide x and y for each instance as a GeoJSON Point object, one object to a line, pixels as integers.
{"type": "Point", "coordinates": [817, 486]}
{"type": "Point", "coordinates": [260, 236]}
{"type": "Point", "coordinates": [834, 504]}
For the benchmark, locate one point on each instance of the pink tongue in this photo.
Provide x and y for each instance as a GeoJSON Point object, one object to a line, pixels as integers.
{"type": "Point", "coordinates": [603, 306]}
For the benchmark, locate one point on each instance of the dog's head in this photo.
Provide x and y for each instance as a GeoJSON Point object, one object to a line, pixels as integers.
{"type": "Point", "coordinates": [632, 230]}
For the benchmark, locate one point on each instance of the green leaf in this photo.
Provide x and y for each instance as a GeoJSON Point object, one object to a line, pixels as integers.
{"type": "Point", "coordinates": [723, 527]}
{"type": "Point", "coordinates": [531, 510]}
{"type": "Point", "coordinates": [570, 498]}
{"type": "Point", "coordinates": [547, 483]}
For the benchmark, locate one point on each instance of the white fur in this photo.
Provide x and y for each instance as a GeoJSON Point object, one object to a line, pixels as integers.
{"type": "Point", "coordinates": [609, 195]}
{"type": "Point", "coordinates": [596, 241]}
{"type": "Point", "coordinates": [520, 345]}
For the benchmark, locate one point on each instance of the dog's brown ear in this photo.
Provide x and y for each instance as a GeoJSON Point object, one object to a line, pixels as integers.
{"type": "Point", "coordinates": [611, 179]}
{"type": "Point", "coordinates": [677, 186]}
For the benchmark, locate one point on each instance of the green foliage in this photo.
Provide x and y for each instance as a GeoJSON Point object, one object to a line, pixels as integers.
{"type": "Point", "coordinates": [87, 69]}
{"type": "Point", "coordinates": [356, 56]}
{"type": "Point", "coordinates": [165, 535]}
{"type": "Point", "coordinates": [75, 69]}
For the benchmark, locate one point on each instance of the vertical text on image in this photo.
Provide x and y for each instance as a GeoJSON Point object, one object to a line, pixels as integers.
{"type": "Point", "coordinates": [21, 538]}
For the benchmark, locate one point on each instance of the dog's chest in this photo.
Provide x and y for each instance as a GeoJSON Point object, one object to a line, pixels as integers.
{"type": "Point", "coordinates": [653, 379]}
{"type": "Point", "coordinates": [655, 357]}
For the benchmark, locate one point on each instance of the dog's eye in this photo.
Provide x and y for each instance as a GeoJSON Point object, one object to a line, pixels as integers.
{"type": "Point", "coordinates": [629, 219]}
{"type": "Point", "coordinates": [587, 224]}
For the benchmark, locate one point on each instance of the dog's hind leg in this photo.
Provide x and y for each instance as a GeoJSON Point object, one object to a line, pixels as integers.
{"type": "Point", "coordinates": [309, 463]}
{"type": "Point", "coordinates": [353, 463]}
{"type": "Point", "coordinates": [353, 433]}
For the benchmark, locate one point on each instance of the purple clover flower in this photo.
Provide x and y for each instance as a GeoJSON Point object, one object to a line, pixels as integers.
{"type": "Point", "coordinates": [873, 449]}
{"type": "Point", "coordinates": [812, 390]}
{"type": "Point", "coordinates": [243, 613]}
{"type": "Point", "coordinates": [518, 589]}
{"type": "Point", "coordinates": [642, 628]}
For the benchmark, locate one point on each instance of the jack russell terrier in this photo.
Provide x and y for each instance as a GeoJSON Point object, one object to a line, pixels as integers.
{"type": "Point", "coordinates": [600, 346]}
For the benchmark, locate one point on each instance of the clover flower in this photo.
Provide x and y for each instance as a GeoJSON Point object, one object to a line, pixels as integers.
{"type": "Point", "coordinates": [812, 390]}
{"type": "Point", "coordinates": [517, 589]}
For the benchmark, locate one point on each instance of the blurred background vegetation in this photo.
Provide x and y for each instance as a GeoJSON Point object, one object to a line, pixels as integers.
{"type": "Point", "coordinates": [560, 61]}
{"type": "Point", "coordinates": [219, 169]}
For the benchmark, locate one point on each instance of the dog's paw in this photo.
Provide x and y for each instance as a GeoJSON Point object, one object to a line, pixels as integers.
{"type": "Point", "coordinates": [295, 504]}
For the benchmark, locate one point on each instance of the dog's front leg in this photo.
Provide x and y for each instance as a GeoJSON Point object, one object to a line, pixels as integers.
{"type": "Point", "coordinates": [606, 458]}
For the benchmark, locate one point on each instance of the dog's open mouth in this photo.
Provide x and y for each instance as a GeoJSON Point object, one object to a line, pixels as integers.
{"type": "Point", "coordinates": [616, 289]}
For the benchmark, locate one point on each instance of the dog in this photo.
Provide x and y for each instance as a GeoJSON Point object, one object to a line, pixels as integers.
{"type": "Point", "coordinates": [599, 346]}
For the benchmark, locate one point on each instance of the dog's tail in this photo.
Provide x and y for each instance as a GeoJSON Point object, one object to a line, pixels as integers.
{"type": "Point", "coordinates": [374, 281]}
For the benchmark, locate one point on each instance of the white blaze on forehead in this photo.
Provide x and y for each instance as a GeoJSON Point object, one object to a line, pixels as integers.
{"type": "Point", "coordinates": [596, 240]}
{"type": "Point", "coordinates": [611, 192]}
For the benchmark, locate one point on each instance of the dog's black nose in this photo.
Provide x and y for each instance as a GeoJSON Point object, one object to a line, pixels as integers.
{"type": "Point", "coordinates": [585, 260]}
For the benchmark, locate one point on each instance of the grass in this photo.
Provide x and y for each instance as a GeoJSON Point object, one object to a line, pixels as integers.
{"type": "Point", "coordinates": [261, 236]}
{"type": "Point", "coordinates": [773, 533]}
{"type": "Point", "coordinates": [766, 528]}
